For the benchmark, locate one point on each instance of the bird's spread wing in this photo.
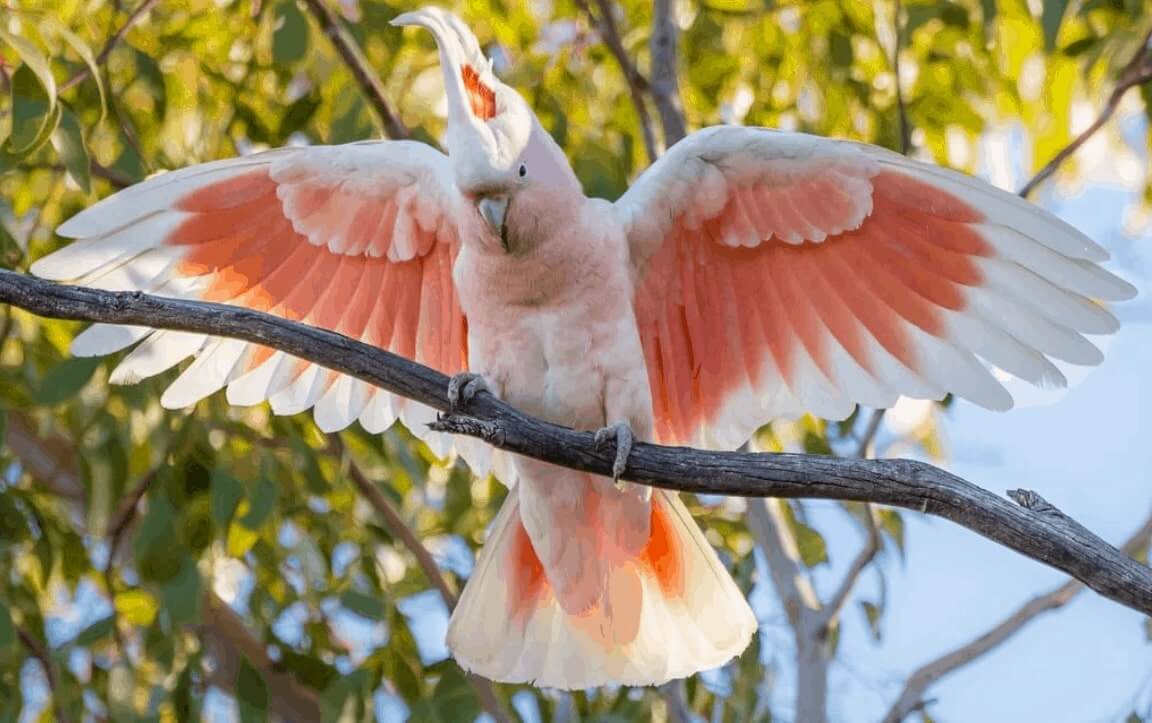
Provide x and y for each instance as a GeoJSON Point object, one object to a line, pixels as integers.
{"type": "Point", "coordinates": [781, 273]}
{"type": "Point", "coordinates": [356, 238]}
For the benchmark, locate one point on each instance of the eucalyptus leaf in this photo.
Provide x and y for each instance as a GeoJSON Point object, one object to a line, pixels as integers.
{"type": "Point", "coordinates": [290, 34]}
{"type": "Point", "coordinates": [68, 140]}
{"type": "Point", "coordinates": [65, 380]}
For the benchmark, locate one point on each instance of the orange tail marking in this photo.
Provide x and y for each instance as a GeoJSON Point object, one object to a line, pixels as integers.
{"type": "Point", "coordinates": [527, 581]}
{"type": "Point", "coordinates": [663, 554]}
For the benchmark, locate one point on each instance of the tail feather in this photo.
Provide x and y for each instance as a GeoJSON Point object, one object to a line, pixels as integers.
{"type": "Point", "coordinates": [669, 612]}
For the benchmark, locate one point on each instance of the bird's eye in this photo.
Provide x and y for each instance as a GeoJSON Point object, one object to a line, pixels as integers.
{"type": "Point", "coordinates": [523, 170]}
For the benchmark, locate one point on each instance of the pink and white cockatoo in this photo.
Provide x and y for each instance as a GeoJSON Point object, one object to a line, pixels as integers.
{"type": "Point", "coordinates": [748, 275]}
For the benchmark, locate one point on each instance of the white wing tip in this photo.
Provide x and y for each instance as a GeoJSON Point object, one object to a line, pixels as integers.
{"type": "Point", "coordinates": [55, 267]}
{"type": "Point", "coordinates": [73, 227]}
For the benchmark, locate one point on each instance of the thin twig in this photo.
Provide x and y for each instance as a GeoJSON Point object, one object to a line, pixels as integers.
{"type": "Point", "coordinates": [802, 606]}
{"type": "Point", "coordinates": [38, 651]}
{"type": "Point", "coordinates": [85, 72]}
{"type": "Point", "coordinates": [839, 599]}
{"type": "Point", "coordinates": [358, 65]}
{"type": "Point", "coordinates": [637, 83]}
{"type": "Point", "coordinates": [678, 710]}
{"type": "Point", "coordinates": [863, 448]}
{"type": "Point", "coordinates": [663, 83]}
{"type": "Point", "coordinates": [901, 108]}
{"type": "Point", "coordinates": [912, 695]}
{"type": "Point", "coordinates": [396, 525]}
{"type": "Point", "coordinates": [1137, 71]}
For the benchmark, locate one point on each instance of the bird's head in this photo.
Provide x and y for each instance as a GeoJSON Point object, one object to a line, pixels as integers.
{"type": "Point", "coordinates": [501, 155]}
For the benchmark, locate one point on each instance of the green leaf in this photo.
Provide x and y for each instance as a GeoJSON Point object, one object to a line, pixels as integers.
{"type": "Point", "coordinates": [35, 61]}
{"type": "Point", "coordinates": [7, 630]}
{"type": "Point", "coordinates": [308, 668]}
{"type": "Point", "coordinates": [95, 632]}
{"type": "Point", "coordinates": [34, 115]}
{"type": "Point", "coordinates": [872, 613]}
{"type": "Point", "coordinates": [181, 594]}
{"type": "Point", "coordinates": [260, 503]}
{"type": "Point", "coordinates": [892, 522]}
{"type": "Point", "coordinates": [85, 52]}
{"type": "Point", "coordinates": [136, 606]}
{"type": "Point", "coordinates": [364, 605]}
{"type": "Point", "coordinates": [298, 114]}
{"type": "Point", "coordinates": [159, 553]}
{"type": "Point", "coordinates": [251, 693]}
{"type": "Point", "coordinates": [989, 9]}
{"type": "Point", "coordinates": [226, 495]}
{"type": "Point", "coordinates": [289, 35]}
{"type": "Point", "coordinates": [65, 380]}
{"type": "Point", "coordinates": [813, 549]}
{"type": "Point", "coordinates": [68, 140]}
{"type": "Point", "coordinates": [1081, 46]}
{"type": "Point", "coordinates": [810, 543]}
{"type": "Point", "coordinates": [1051, 17]}
{"type": "Point", "coordinates": [13, 523]}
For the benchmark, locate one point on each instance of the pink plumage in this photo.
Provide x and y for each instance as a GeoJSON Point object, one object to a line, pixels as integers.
{"type": "Point", "coordinates": [748, 275]}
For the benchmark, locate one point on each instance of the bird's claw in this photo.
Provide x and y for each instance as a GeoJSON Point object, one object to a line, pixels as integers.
{"type": "Point", "coordinates": [621, 433]}
{"type": "Point", "coordinates": [463, 387]}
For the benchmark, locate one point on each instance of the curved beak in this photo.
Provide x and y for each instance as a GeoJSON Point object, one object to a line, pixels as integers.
{"type": "Point", "coordinates": [493, 209]}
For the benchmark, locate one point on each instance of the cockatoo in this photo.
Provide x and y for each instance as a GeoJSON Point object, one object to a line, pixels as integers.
{"type": "Point", "coordinates": [747, 275]}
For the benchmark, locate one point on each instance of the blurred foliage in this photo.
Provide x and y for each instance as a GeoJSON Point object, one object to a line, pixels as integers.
{"type": "Point", "coordinates": [258, 510]}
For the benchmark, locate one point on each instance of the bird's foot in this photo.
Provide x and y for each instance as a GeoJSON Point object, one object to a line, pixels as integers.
{"type": "Point", "coordinates": [463, 387]}
{"type": "Point", "coordinates": [621, 433]}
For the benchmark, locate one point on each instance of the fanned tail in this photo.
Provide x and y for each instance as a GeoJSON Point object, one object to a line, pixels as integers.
{"type": "Point", "coordinates": [669, 612]}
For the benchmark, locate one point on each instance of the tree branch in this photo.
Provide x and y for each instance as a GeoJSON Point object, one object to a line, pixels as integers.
{"type": "Point", "coordinates": [1039, 533]}
{"type": "Point", "coordinates": [901, 107]}
{"type": "Point", "coordinates": [835, 604]}
{"type": "Point", "coordinates": [637, 83]}
{"type": "Point", "coordinates": [231, 642]}
{"type": "Point", "coordinates": [912, 696]}
{"type": "Point", "coordinates": [664, 84]}
{"type": "Point", "coordinates": [40, 652]}
{"type": "Point", "coordinates": [357, 64]}
{"type": "Point", "coordinates": [84, 73]}
{"type": "Point", "coordinates": [770, 529]}
{"type": "Point", "coordinates": [1136, 72]}
{"type": "Point", "coordinates": [395, 524]}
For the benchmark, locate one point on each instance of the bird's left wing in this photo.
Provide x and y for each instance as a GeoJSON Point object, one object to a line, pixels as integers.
{"type": "Point", "coordinates": [782, 273]}
{"type": "Point", "coordinates": [357, 238]}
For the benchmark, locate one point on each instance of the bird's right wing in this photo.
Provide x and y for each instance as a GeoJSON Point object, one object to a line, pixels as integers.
{"type": "Point", "coordinates": [356, 238]}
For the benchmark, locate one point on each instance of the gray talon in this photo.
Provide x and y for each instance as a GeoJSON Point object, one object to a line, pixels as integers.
{"type": "Point", "coordinates": [463, 387]}
{"type": "Point", "coordinates": [622, 434]}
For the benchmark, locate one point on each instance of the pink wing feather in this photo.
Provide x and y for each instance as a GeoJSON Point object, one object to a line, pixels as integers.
{"type": "Point", "coordinates": [781, 273]}
{"type": "Point", "coordinates": [358, 239]}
